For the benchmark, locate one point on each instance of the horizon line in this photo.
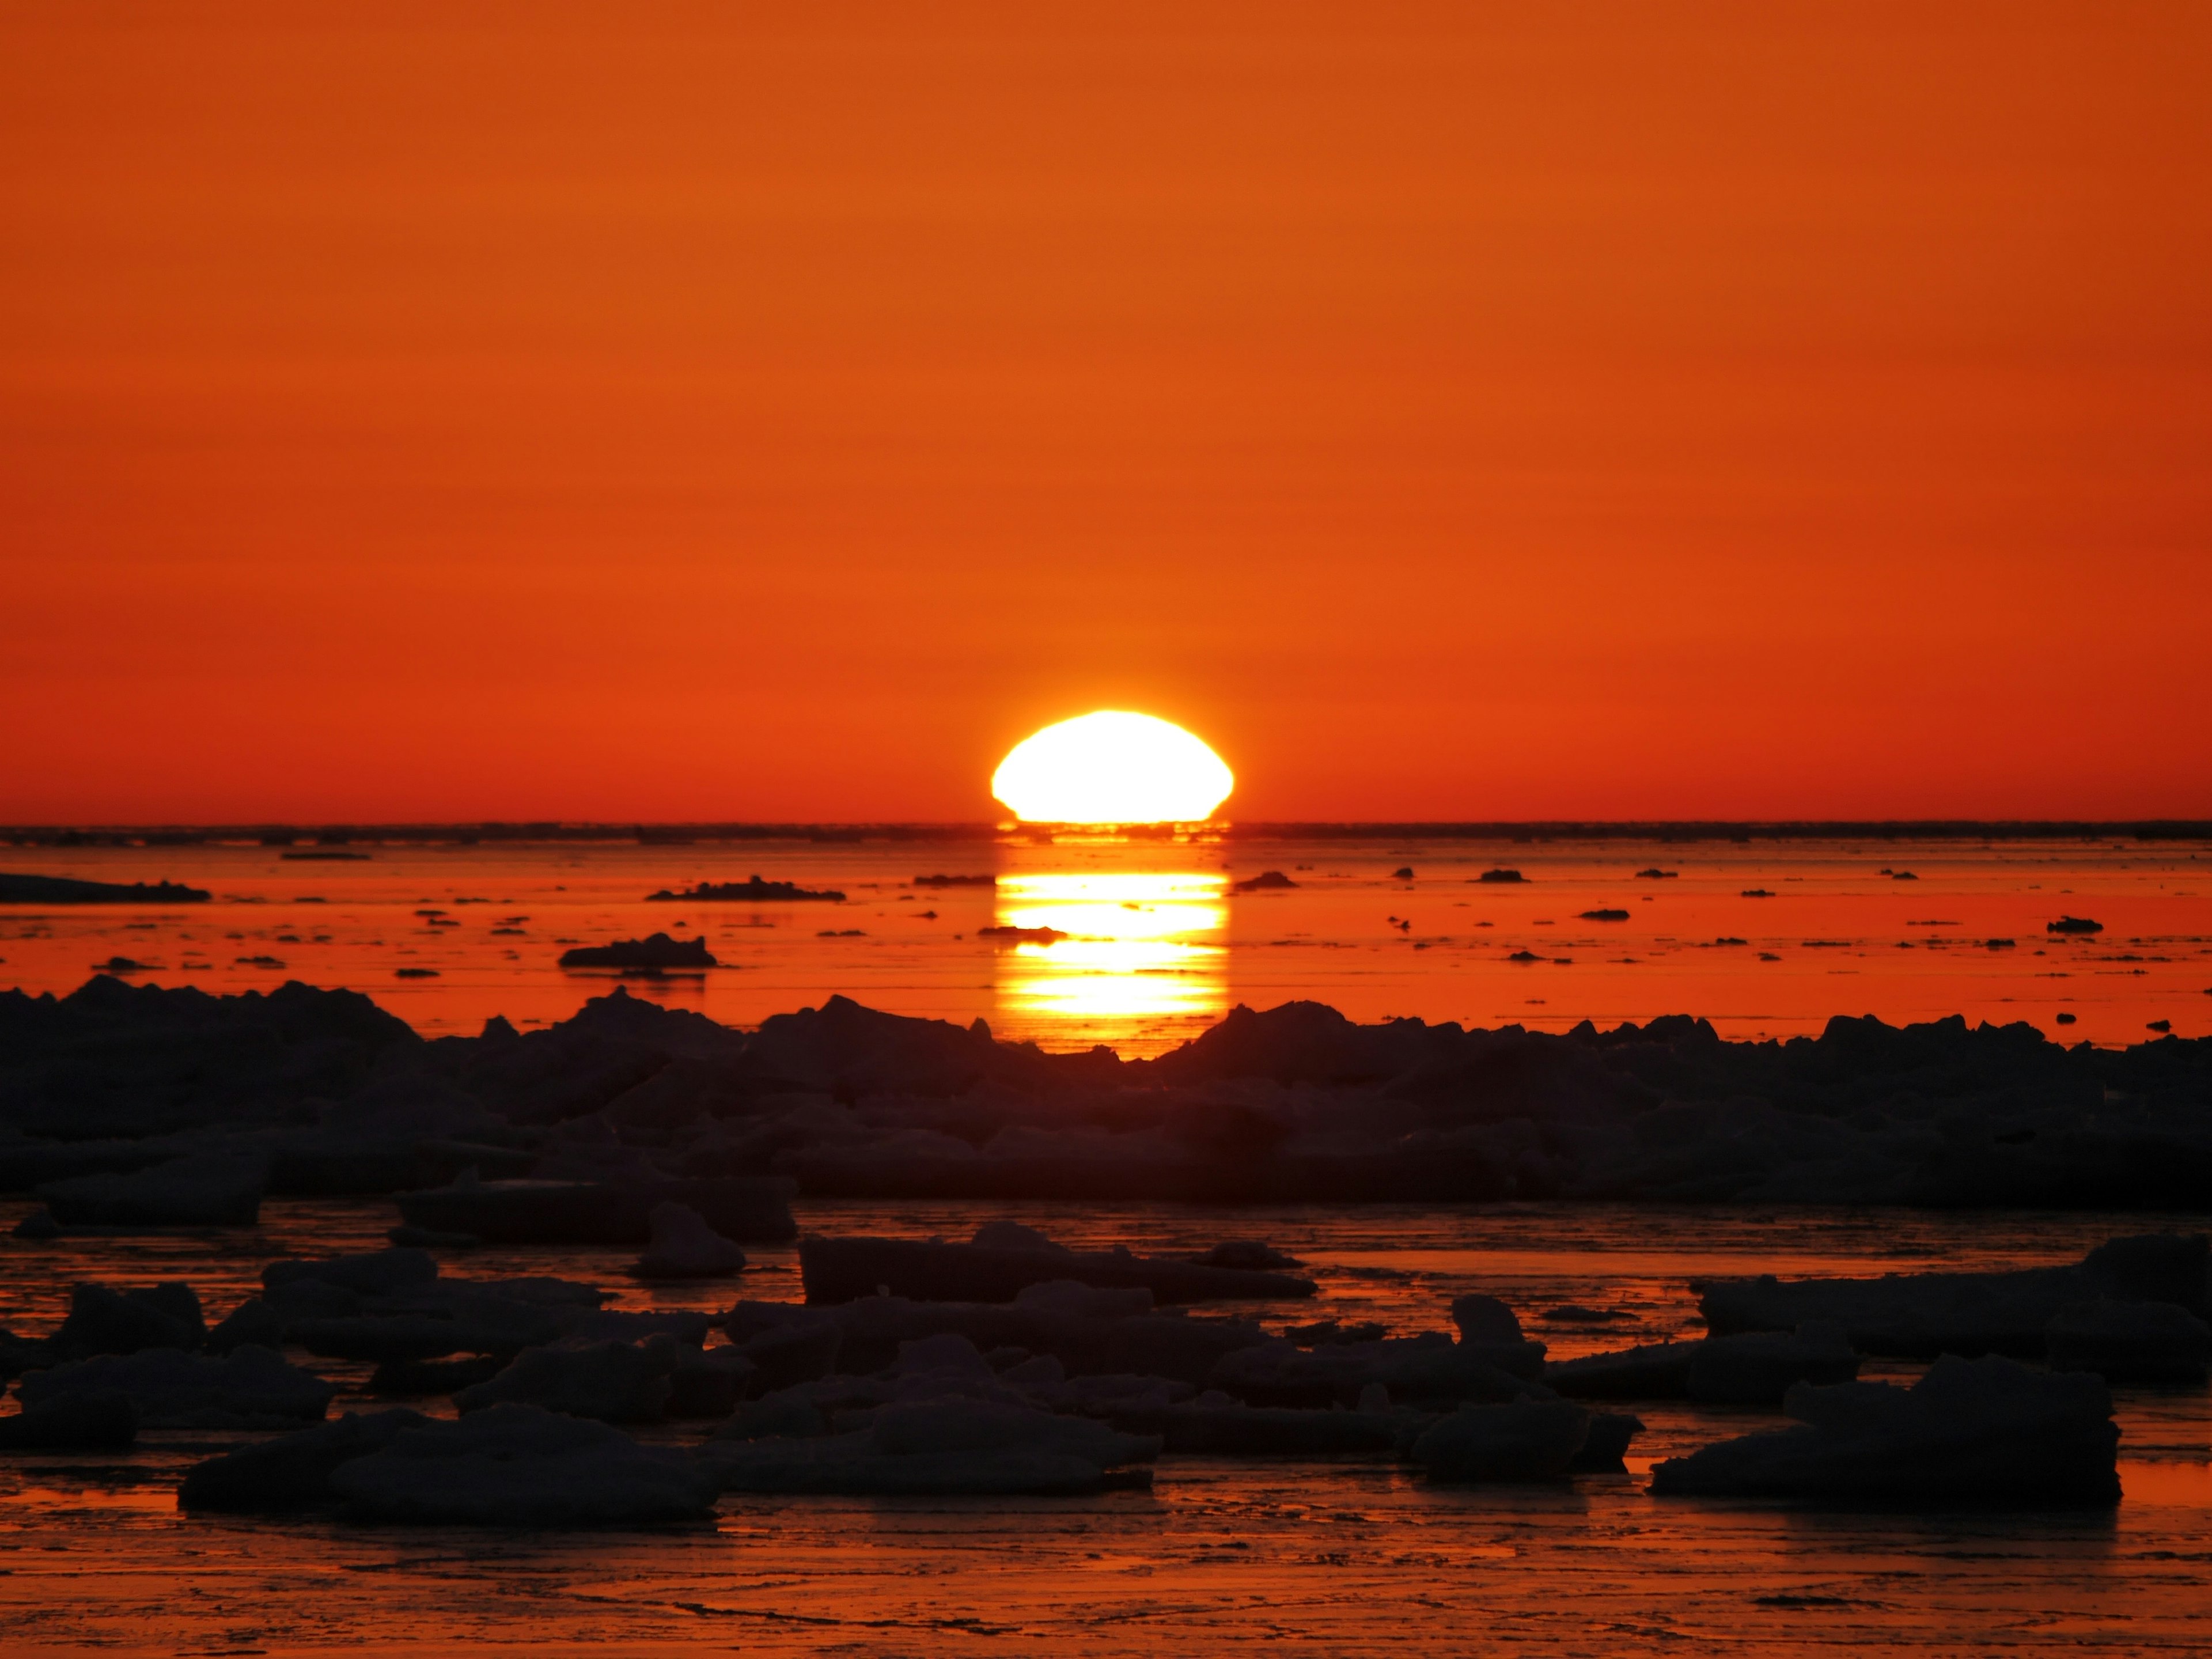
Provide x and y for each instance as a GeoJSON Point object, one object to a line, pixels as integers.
{"type": "Point", "coordinates": [278, 832]}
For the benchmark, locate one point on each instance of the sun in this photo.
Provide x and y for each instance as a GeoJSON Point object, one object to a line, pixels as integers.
{"type": "Point", "coordinates": [1112, 768]}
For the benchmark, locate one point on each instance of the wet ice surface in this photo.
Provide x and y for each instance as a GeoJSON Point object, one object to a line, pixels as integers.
{"type": "Point", "coordinates": [1351, 1555]}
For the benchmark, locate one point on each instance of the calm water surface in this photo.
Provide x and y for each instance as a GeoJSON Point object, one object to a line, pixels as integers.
{"type": "Point", "coordinates": [1157, 943]}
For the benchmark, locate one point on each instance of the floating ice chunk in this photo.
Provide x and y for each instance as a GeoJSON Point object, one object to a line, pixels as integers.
{"type": "Point", "coordinates": [206, 1189]}
{"type": "Point", "coordinates": [105, 1320]}
{"type": "Point", "coordinates": [1526, 1440]}
{"type": "Point", "coordinates": [1126, 1400]}
{"type": "Point", "coordinates": [1605, 1449]}
{"type": "Point", "coordinates": [18, 1354]}
{"type": "Point", "coordinates": [1758, 1367]}
{"type": "Point", "coordinates": [372, 1272]}
{"type": "Point", "coordinates": [622, 1325]}
{"type": "Point", "coordinates": [1041, 1375]}
{"type": "Point", "coordinates": [291, 1473]}
{"type": "Point", "coordinates": [515, 1465]}
{"type": "Point", "coordinates": [251, 1321]}
{"type": "Point", "coordinates": [787, 1414]}
{"type": "Point", "coordinates": [599, 1211]}
{"type": "Point", "coordinates": [1970, 1430]}
{"type": "Point", "coordinates": [1072, 1300]}
{"type": "Point", "coordinates": [794, 1353]}
{"type": "Point", "coordinates": [683, 1246]}
{"type": "Point", "coordinates": [871, 1329]}
{"type": "Point", "coordinates": [312, 1299]}
{"type": "Point", "coordinates": [1652, 1371]}
{"type": "Point", "coordinates": [251, 1388]}
{"type": "Point", "coordinates": [72, 1422]}
{"type": "Point", "coordinates": [414, 1379]}
{"type": "Point", "coordinates": [1237, 1431]}
{"type": "Point", "coordinates": [947, 1352]}
{"type": "Point", "coordinates": [844, 1269]}
{"type": "Point", "coordinates": [1418, 1369]}
{"type": "Point", "coordinates": [952, 1446]}
{"type": "Point", "coordinates": [1251, 1253]}
{"type": "Point", "coordinates": [703, 1382]}
{"type": "Point", "coordinates": [909, 1428]}
{"type": "Point", "coordinates": [1012, 1236]}
{"type": "Point", "coordinates": [2130, 1341]}
{"type": "Point", "coordinates": [1753, 1368]}
{"type": "Point", "coordinates": [612, 1381]}
{"type": "Point", "coordinates": [1923, 1314]}
{"type": "Point", "coordinates": [1485, 1319]}
{"type": "Point", "coordinates": [492, 1320]}
{"type": "Point", "coordinates": [379, 1338]}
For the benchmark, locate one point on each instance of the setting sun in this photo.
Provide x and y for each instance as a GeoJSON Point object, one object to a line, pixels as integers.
{"type": "Point", "coordinates": [1112, 768]}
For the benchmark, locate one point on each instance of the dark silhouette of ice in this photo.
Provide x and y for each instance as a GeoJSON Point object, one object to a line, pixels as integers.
{"type": "Point", "coordinates": [751, 890]}
{"type": "Point", "coordinates": [1971, 1430]}
{"type": "Point", "coordinates": [1429, 1370]}
{"type": "Point", "coordinates": [253, 1320]}
{"type": "Point", "coordinates": [1220, 1427]}
{"type": "Point", "coordinates": [1527, 1439]}
{"type": "Point", "coordinates": [1924, 1314]}
{"type": "Point", "coordinates": [1268, 881]}
{"type": "Point", "coordinates": [683, 1246]}
{"type": "Point", "coordinates": [65, 890]}
{"type": "Point", "coordinates": [613, 1382]}
{"type": "Point", "coordinates": [841, 1269]}
{"type": "Point", "coordinates": [138, 1105]}
{"type": "Point", "coordinates": [89, 1421]}
{"type": "Point", "coordinates": [374, 1272]}
{"type": "Point", "coordinates": [1251, 1253]}
{"type": "Point", "coordinates": [102, 1320]}
{"type": "Point", "coordinates": [250, 1388]}
{"type": "Point", "coordinates": [599, 1212]}
{"type": "Point", "coordinates": [205, 1189]}
{"type": "Point", "coordinates": [1759, 1368]}
{"type": "Point", "coordinates": [655, 951]}
{"type": "Point", "coordinates": [2130, 1341]}
{"type": "Point", "coordinates": [1651, 1370]}
{"type": "Point", "coordinates": [942, 1449]}
{"type": "Point", "coordinates": [293, 1472]}
{"type": "Point", "coordinates": [515, 1465]}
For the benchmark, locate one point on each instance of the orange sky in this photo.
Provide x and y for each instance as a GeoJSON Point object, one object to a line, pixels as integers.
{"type": "Point", "coordinates": [449, 411]}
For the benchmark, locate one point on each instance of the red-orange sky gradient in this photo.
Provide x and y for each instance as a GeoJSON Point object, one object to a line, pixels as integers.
{"type": "Point", "coordinates": [448, 411]}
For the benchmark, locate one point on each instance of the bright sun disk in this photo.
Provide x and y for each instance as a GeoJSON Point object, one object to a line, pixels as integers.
{"type": "Point", "coordinates": [1112, 768]}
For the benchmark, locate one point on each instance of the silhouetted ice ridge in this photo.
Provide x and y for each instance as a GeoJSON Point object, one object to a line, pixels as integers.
{"type": "Point", "coordinates": [123, 1104]}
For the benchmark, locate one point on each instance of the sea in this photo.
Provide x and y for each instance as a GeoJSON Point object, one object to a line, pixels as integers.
{"type": "Point", "coordinates": [1345, 1555]}
{"type": "Point", "coordinates": [1349, 1555]}
{"type": "Point", "coordinates": [1152, 941]}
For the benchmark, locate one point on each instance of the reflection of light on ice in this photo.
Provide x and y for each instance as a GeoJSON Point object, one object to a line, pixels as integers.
{"type": "Point", "coordinates": [1142, 968]}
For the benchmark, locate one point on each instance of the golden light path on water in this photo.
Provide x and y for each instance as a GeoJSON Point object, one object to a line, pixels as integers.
{"type": "Point", "coordinates": [1143, 948]}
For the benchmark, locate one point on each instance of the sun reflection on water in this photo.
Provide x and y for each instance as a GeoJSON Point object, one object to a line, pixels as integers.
{"type": "Point", "coordinates": [1142, 967]}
